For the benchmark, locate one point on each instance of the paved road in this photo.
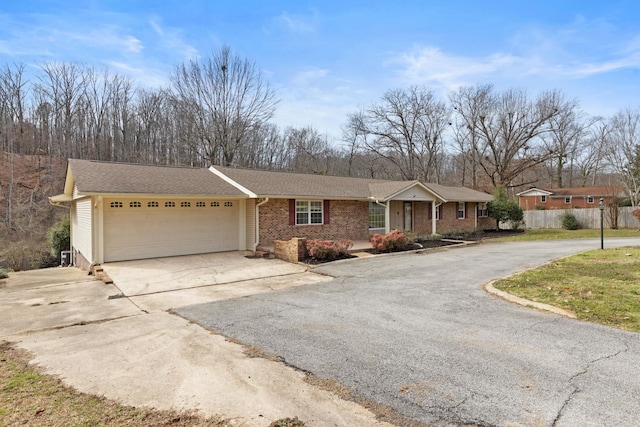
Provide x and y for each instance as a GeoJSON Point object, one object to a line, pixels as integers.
{"type": "Point", "coordinates": [417, 333]}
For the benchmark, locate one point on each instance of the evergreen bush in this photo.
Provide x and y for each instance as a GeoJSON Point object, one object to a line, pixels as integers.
{"type": "Point", "coordinates": [59, 236]}
{"type": "Point", "coordinates": [569, 221]}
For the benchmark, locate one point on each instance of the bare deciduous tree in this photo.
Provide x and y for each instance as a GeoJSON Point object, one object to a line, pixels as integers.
{"type": "Point", "coordinates": [406, 129]}
{"type": "Point", "coordinates": [469, 103]}
{"type": "Point", "coordinates": [509, 126]}
{"type": "Point", "coordinates": [227, 97]}
{"type": "Point", "coordinates": [589, 157]}
{"type": "Point", "coordinates": [623, 150]}
{"type": "Point", "coordinates": [567, 131]}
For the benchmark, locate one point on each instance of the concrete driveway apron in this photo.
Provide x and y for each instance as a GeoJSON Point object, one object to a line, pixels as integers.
{"type": "Point", "coordinates": [417, 333]}
{"type": "Point", "coordinates": [160, 284]}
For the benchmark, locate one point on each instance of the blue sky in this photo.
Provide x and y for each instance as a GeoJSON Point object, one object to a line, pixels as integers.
{"type": "Point", "coordinates": [325, 59]}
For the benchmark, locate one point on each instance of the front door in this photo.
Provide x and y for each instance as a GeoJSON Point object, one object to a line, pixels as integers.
{"type": "Point", "coordinates": [408, 216]}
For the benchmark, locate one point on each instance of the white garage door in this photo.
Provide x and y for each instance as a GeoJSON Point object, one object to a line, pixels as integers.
{"type": "Point", "coordinates": [146, 228]}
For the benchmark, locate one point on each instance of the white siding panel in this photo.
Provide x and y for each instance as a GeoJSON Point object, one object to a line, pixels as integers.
{"type": "Point", "coordinates": [149, 232]}
{"type": "Point", "coordinates": [251, 223]}
{"type": "Point", "coordinates": [81, 228]}
{"type": "Point", "coordinates": [414, 193]}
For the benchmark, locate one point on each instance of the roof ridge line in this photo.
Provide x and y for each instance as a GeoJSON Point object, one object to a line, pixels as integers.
{"type": "Point", "coordinates": [228, 180]}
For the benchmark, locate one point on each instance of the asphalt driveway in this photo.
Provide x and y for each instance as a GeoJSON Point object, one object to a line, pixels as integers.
{"type": "Point", "coordinates": [418, 334]}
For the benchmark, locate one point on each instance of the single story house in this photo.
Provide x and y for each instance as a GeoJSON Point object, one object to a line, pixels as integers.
{"type": "Point", "coordinates": [568, 198]}
{"type": "Point", "coordinates": [128, 211]}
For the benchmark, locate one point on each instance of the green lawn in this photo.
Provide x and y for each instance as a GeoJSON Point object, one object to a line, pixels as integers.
{"type": "Point", "coordinates": [554, 233]}
{"type": "Point", "coordinates": [601, 286]}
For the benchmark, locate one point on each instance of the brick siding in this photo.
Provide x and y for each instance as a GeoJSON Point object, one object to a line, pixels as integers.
{"type": "Point", "coordinates": [529, 203]}
{"type": "Point", "coordinates": [448, 221]}
{"type": "Point", "coordinates": [348, 220]}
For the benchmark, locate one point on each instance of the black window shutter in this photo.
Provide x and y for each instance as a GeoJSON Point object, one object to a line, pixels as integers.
{"type": "Point", "coordinates": [326, 213]}
{"type": "Point", "coordinates": [292, 211]}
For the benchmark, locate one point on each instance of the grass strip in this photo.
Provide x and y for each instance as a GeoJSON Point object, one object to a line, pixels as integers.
{"type": "Point", "coordinates": [601, 286]}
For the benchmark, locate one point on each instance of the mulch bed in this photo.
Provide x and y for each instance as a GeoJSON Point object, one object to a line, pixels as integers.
{"type": "Point", "coordinates": [447, 240]}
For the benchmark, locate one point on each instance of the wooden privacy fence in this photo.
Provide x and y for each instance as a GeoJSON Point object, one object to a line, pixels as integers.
{"type": "Point", "coordinates": [588, 218]}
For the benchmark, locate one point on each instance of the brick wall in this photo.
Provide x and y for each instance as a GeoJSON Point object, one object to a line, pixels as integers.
{"type": "Point", "coordinates": [530, 202]}
{"type": "Point", "coordinates": [422, 218]}
{"type": "Point", "coordinates": [348, 220]}
{"type": "Point", "coordinates": [448, 221]}
{"type": "Point", "coordinates": [292, 250]}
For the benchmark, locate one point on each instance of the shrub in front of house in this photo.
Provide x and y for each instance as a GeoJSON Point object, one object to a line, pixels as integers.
{"type": "Point", "coordinates": [3, 273]}
{"type": "Point", "coordinates": [390, 242]}
{"type": "Point", "coordinates": [569, 221]}
{"type": "Point", "coordinates": [328, 250]}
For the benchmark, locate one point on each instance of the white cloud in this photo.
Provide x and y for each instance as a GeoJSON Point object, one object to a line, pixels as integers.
{"type": "Point", "coordinates": [432, 65]}
{"type": "Point", "coordinates": [132, 44]}
{"type": "Point", "coordinates": [142, 75]}
{"type": "Point", "coordinates": [314, 96]}
{"type": "Point", "coordinates": [309, 76]}
{"type": "Point", "coordinates": [298, 24]}
{"type": "Point", "coordinates": [172, 39]}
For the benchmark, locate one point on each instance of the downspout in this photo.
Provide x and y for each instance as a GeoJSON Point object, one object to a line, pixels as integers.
{"type": "Point", "coordinates": [257, 234]}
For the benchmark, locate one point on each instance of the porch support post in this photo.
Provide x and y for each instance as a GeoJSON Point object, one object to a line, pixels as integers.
{"type": "Point", "coordinates": [433, 217]}
{"type": "Point", "coordinates": [475, 216]}
{"type": "Point", "coordinates": [387, 217]}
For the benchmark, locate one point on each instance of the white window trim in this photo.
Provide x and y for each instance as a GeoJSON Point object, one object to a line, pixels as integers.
{"type": "Point", "coordinates": [543, 199]}
{"type": "Point", "coordinates": [309, 212]}
{"type": "Point", "coordinates": [377, 206]}
{"type": "Point", "coordinates": [483, 210]}
{"type": "Point", "coordinates": [463, 210]}
{"type": "Point", "coordinates": [591, 200]}
{"type": "Point", "coordinates": [567, 200]}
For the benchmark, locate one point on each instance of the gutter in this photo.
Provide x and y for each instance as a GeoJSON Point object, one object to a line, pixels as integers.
{"type": "Point", "coordinates": [59, 204]}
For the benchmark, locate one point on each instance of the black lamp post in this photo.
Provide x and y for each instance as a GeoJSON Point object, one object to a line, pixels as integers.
{"type": "Point", "coordinates": [601, 207]}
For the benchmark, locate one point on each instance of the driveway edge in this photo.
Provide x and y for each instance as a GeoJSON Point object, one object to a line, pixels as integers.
{"type": "Point", "coordinates": [525, 302]}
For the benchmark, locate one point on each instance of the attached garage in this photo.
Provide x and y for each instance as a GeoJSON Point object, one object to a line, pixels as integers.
{"type": "Point", "coordinates": [149, 228]}
{"type": "Point", "coordinates": [123, 212]}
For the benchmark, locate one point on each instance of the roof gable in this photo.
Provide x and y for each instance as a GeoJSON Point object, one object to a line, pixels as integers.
{"type": "Point", "coordinates": [601, 191]}
{"type": "Point", "coordinates": [534, 192]}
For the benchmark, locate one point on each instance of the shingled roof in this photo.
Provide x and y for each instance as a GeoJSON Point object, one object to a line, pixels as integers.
{"type": "Point", "coordinates": [586, 191]}
{"type": "Point", "coordinates": [459, 194]}
{"type": "Point", "coordinates": [288, 184]}
{"type": "Point", "coordinates": [602, 191]}
{"type": "Point", "coordinates": [93, 177]}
